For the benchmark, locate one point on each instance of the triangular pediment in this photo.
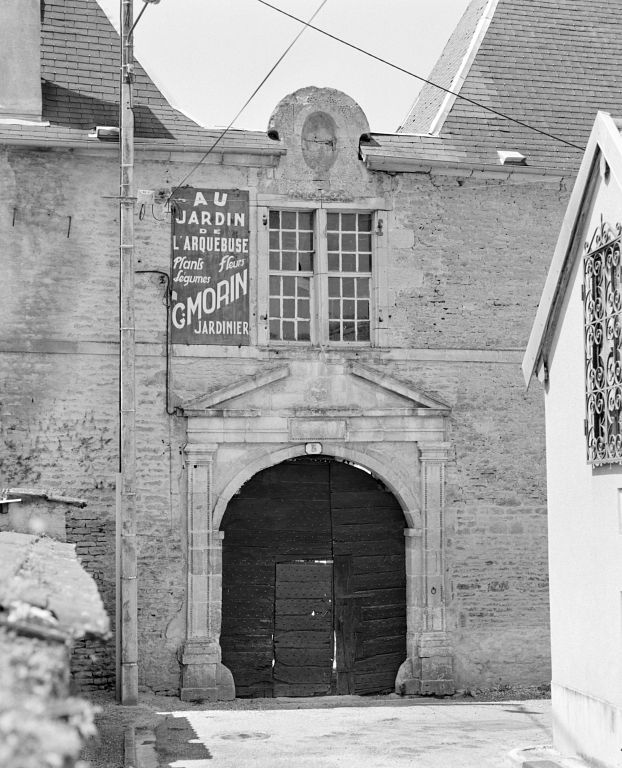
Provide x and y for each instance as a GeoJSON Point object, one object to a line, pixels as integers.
{"type": "Point", "coordinates": [314, 387]}
{"type": "Point", "coordinates": [238, 389]}
{"type": "Point", "coordinates": [389, 383]}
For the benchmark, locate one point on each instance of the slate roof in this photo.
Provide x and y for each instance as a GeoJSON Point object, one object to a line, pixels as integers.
{"type": "Point", "coordinates": [550, 63]}
{"type": "Point", "coordinates": [430, 99]}
{"type": "Point", "coordinates": [80, 88]}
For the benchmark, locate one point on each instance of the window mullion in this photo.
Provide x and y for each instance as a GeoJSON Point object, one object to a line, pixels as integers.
{"type": "Point", "coordinates": [379, 330]}
{"type": "Point", "coordinates": [262, 277]}
{"type": "Point", "coordinates": [321, 279]}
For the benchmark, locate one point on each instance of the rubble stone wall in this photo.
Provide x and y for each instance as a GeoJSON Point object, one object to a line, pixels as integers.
{"type": "Point", "coordinates": [467, 258]}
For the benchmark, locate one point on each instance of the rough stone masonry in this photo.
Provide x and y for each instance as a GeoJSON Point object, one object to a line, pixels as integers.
{"type": "Point", "coordinates": [456, 279]}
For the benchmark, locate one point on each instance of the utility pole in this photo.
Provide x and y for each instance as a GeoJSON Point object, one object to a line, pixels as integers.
{"type": "Point", "coordinates": [127, 610]}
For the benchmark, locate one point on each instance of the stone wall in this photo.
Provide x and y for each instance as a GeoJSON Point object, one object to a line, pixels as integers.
{"type": "Point", "coordinates": [466, 262]}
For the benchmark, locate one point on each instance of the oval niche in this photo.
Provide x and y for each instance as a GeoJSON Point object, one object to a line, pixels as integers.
{"type": "Point", "coordinates": [319, 141]}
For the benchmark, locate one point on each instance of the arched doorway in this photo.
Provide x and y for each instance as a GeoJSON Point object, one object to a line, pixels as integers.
{"type": "Point", "coordinates": [314, 583]}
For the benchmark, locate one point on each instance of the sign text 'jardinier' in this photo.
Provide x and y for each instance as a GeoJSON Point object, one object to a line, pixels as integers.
{"type": "Point", "coordinates": [209, 269]}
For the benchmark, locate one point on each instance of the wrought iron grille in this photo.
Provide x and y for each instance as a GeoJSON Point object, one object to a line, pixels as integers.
{"type": "Point", "coordinates": [602, 307]}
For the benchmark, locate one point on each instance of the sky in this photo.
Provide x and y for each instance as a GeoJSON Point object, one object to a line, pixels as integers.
{"type": "Point", "coordinates": [208, 56]}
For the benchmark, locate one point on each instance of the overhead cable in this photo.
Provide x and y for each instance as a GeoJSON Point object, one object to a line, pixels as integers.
{"type": "Point", "coordinates": [423, 79]}
{"type": "Point", "coordinates": [220, 137]}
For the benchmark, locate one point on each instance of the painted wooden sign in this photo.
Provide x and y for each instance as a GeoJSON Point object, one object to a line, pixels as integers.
{"type": "Point", "coordinates": [209, 267]}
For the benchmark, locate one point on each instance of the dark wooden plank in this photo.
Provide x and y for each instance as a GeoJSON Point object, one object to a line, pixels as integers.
{"type": "Point", "coordinates": [243, 643]}
{"type": "Point", "coordinates": [285, 674]}
{"type": "Point", "coordinates": [364, 548]}
{"type": "Point", "coordinates": [244, 510]}
{"type": "Point", "coordinates": [262, 691]}
{"type": "Point", "coordinates": [380, 682]}
{"type": "Point", "coordinates": [300, 515]}
{"type": "Point", "coordinates": [290, 478]}
{"type": "Point", "coordinates": [306, 589]}
{"type": "Point", "coordinates": [369, 532]}
{"type": "Point", "coordinates": [344, 476]}
{"type": "Point", "coordinates": [311, 657]}
{"type": "Point", "coordinates": [342, 573]}
{"type": "Point", "coordinates": [365, 499]}
{"type": "Point", "coordinates": [346, 623]}
{"type": "Point", "coordinates": [381, 646]}
{"type": "Point", "coordinates": [245, 674]}
{"type": "Point", "coordinates": [389, 627]}
{"type": "Point", "coordinates": [301, 689]}
{"type": "Point", "coordinates": [378, 564]}
{"type": "Point", "coordinates": [240, 601]}
{"type": "Point", "coordinates": [297, 639]}
{"type": "Point", "coordinates": [270, 540]}
{"type": "Point", "coordinates": [246, 556]}
{"type": "Point", "coordinates": [252, 591]}
{"type": "Point", "coordinates": [306, 622]}
{"type": "Point", "coordinates": [305, 570]}
{"type": "Point", "coordinates": [254, 573]}
{"type": "Point", "coordinates": [387, 663]}
{"type": "Point", "coordinates": [389, 596]}
{"type": "Point", "coordinates": [382, 580]}
{"type": "Point", "coordinates": [251, 627]}
{"type": "Point", "coordinates": [254, 659]}
{"type": "Point", "coordinates": [273, 550]}
{"type": "Point", "coordinates": [236, 593]}
{"type": "Point", "coordinates": [390, 610]}
{"type": "Point", "coordinates": [294, 606]}
{"type": "Point", "coordinates": [370, 514]}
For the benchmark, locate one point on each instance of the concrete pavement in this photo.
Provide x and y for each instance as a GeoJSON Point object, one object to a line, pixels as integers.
{"type": "Point", "coordinates": [344, 732]}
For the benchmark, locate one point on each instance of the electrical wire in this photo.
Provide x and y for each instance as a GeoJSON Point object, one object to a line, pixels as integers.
{"type": "Point", "coordinates": [250, 98]}
{"type": "Point", "coordinates": [418, 77]}
{"type": "Point", "coordinates": [164, 278]}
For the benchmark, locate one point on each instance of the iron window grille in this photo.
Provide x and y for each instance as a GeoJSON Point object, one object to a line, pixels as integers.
{"type": "Point", "coordinates": [602, 307]}
{"type": "Point", "coordinates": [320, 285]}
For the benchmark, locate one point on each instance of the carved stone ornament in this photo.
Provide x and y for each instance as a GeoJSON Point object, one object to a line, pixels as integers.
{"type": "Point", "coordinates": [319, 141]}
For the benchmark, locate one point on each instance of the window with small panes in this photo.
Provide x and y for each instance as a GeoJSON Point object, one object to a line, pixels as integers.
{"type": "Point", "coordinates": [320, 276]}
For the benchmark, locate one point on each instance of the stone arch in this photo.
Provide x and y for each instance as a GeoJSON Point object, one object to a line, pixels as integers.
{"type": "Point", "coordinates": [429, 664]}
{"type": "Point", "coordinates": [404, 494]}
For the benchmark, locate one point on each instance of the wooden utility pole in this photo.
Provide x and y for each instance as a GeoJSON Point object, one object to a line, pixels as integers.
{"type": "Point", "coordinates": [126, 515]}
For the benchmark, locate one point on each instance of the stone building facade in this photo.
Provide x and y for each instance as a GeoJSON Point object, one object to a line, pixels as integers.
{"type": "Point", "coordinates": [426, 397]}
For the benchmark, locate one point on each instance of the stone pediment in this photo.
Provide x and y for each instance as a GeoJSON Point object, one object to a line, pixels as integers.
{"type": "Point", "coordinates": [314, 388]}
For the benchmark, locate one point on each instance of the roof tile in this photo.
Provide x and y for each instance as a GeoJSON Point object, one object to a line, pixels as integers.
{"type": "Point", "coordinates": [549, 63]}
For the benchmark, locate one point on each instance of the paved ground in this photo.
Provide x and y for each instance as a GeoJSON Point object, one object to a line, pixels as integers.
{"type": "Point", "coordinates": [350, 732]}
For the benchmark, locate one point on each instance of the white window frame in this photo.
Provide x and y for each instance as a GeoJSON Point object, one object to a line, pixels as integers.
{"type": "Point", "coordinates": [319, 290]}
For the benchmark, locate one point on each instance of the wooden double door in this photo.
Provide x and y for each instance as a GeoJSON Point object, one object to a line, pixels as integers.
{"type": "Point", "coordinates": [314, 592]}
